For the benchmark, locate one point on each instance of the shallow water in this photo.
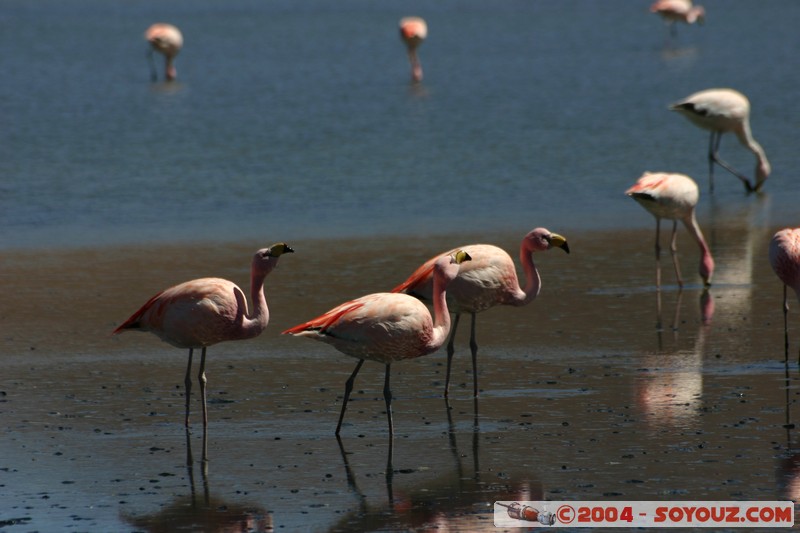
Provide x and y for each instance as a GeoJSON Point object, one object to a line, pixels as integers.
{"type": "Point", "coordinates": [583, 396]}
{"type": "Point", "coordinates": [295, 121]}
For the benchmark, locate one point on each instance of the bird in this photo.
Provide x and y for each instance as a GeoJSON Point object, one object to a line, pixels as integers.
{"type": "Point", "coordinates": [674, 197]}
{"type": "Point", "coordinates": [202, 312]}
{"type": "Point", "coordinates": [413, 30]}
{"type": "Point", "coordinates": [784, 257]}
{"type": "Point", "coordinates": [386, 328]}
{"type": "Point", "coordinates": [674, 11]}
{"type": "Point", "coordinates": [168, 41]}
{"type": "Point", "coordinates": [488, 280]}
{"type": "Point", "coordinates": [722, 111]}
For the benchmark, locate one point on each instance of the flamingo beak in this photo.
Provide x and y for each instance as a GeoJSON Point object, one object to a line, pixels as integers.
{"type": "Point", "coordinates": [559, 241]}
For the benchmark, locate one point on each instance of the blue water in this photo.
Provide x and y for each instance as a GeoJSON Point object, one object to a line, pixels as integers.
{"type": "Point", "coordinates": [296, 118]}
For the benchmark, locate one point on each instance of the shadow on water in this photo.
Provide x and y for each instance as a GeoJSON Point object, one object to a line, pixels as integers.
{"type": "Point", "coordinates": [202, 511]}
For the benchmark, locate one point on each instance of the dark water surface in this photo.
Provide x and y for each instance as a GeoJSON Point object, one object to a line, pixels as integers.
{"type": "Point", "coordinates": [295, 121]}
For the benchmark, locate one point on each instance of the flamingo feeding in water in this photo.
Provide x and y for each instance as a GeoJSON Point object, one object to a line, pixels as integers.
{"type": "Point", "coordinates": [489, 279]}
{"type": "Point", "coordinates": [784, 256]}
{"type": "Point", "coordinates": [722, 111]}
{"type": "Point", "coordinates": [413, 30]}
{"type": "Point", "coordinates": [674, 197]}
{"type": "Point", "coordinates": [202, 312]}
{"type": "Point", "coordinates": [168, 41]}
{"type": "Point", "coordinates": [386, 327]}
{"type": "Point", "coordinates": [674, 11]}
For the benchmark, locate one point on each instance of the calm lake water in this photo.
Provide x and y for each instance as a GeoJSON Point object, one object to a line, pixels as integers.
{"type": "Point", "coordinates": [295, 120]}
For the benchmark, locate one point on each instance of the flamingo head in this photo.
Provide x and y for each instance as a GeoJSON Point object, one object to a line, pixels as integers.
{"type": "Point", "coordinates": [706, 269]}
{"type": "Point", "coordinates": [763, 170]}
{"type": "Point", "coordinates": [446, 267]}
{"type": "Point", "coordinates": [541, 239]}
{"type": "Point", "coordinates": [267, 258]}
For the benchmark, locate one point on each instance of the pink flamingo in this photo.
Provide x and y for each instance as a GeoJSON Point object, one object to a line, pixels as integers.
{"type": "Point", "coordinates": [489, 279]}
{"type": "Point", "coordinates": [784, 256]}
{"type": "Point", "coordinates": [203, 312]}
{"type": "Point", "coordinates": [413, 31]}
{"type": "Point", "coordinates": [673, 11]}
{"type": "Point", "coordinates": [167, 40]}
{"type": "Point", "coordinates": [386, 327]}
{"type": "Point", "coordinates": [721, 111]}
{"type": "Point", "coordinates": [674, 197]}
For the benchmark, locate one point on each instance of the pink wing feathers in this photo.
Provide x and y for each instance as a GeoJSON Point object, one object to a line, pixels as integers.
{"type": "Point", "coordinates": [322, 322]}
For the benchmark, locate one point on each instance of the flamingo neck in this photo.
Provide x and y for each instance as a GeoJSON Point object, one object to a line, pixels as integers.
{"type": "Point", "coordinates": [441, 315]}
{"type": "Point", "coordinates": [254, 324]}
{"type": "Point", "coordinates": [416, 66]}
{"type": "Point", "coordinates": [533, 283]}
{"type": "Point", "coordinates": [762, 164]}
{"type": "Point", "coordinates": [706, 260]}
{"type": "Point", "coordinates": [170, 72]}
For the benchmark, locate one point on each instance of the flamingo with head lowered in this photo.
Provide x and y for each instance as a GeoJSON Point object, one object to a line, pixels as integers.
{"type": "Point", "coordinates": [674, 11]}
{"type": "Point", "coordinates": [167, 40]}
{"type": "Point", "coordinates": [674, 197]}
{"type": "Point", "coordinates": [413, 30]}
{"type": "Point", "coordinates": [489, 279]}
{"type": "Point", "coordinates": [203, 312]}
{"type": "Point", "coordinates": [721, 111]}
{"type": "Point", "coordinates": [386, 327]}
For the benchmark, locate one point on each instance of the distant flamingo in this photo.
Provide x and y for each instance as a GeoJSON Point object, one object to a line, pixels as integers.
{"type": "Point", "coordinates": [386, 328]}
{"type": "Point", "coordinates": [673, 11]}
{"type": "Point", "coordinates": [721, 111]}
{"type": "Point", "coordinates": [489, 279]}
{"type": "Point", "coordinates": [413, 31]}
{"type": "Point", "coordinates": [167, 40]}
{"type": "Point", "coordinates": [202, 312]}
{"type": "Point", "coordinates": [784, 256]}
{"type": "Point", "coordinates": [674, 197]}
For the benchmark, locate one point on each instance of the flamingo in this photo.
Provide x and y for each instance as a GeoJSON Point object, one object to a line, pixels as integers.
{"type": "Point", "coordinates": [413, 31]}
{"type": "Point", "coordinates": [167, 40]}
{"type": "Point", "coordinates": [386, 327]}
{"type": "Point", "coordinates": [488, 280]}
{"type": "Point", "coordinates": [203, 312]}
{"type": "Point", "coordinates": [721, 111]}
{"type": "Point", "coordinates": [674, 197]}
{"type": "Point", "coordinates": [673, 11]}
{"type": "Point", "coordinates": [784, 256]}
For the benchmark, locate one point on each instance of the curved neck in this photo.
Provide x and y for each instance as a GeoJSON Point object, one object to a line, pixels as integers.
{"type": "Point", "coordinates": [746, 138]}
{"type": "Point", "coordinates": [706, 260]}
{"type": "Point", "coordinates": [255, 323]}
{"type": "Point", "coordinates": [441, 315]}
{"type": "Point", "coordinates": [416, 66]}
{"type": "Point", "coordinates": [533, 283]}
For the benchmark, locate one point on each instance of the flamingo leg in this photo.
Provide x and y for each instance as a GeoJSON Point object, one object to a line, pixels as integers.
{"type": "Point", "coordinates": [474, 347]}
{"type": "Point", "coordinates": [387, 396]}
{"type": "Point", "coordinates": [658, 254]}
{"type": "Point", "coordinates": [348, 388]}
{"type": "Point", "coordinates": [201, 377]}
{"type": "Point", "coordinates": [673, 248]}
{"type": "Point", "coordinates": [187, 383]}
{"type": "Point", "coordinates": [785, 324]}
{"type": "Point", "coordinates": [450, 352]}
{"type": "Point", "coordinates": [713, 157]}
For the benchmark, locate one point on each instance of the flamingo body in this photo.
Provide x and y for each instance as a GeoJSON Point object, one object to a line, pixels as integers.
{"type": "Point", "coordinates": [413, 31]}
{"type": "Point", "coordinates": [386, 327]}
{"type": "Point", "coordinates": [488, 280]}
{"type": "Point", "coordinates": [167, 40]}
{"type": "Point", "coordinates": [673, 11]}
{"type": "Point", "coordinates": [720, 111]}
{"type": "Point", "coordinates": [673, 197]}
{"type": "Point", "coordinates": [205, 311]}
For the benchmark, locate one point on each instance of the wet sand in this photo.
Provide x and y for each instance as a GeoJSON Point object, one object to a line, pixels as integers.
{"type": "Point", "coordinates": [584, 396]}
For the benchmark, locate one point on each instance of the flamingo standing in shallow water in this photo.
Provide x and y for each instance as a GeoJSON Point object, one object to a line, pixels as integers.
{"type": "Point", "coordinates": [784, 256]}
{"type": "Point", "coordinates": [674, 197]}
{"type": "Point", "coordinates": [721, 111]}
{"type": "Point", "coordinates": [168, 41]}
{"type": "Point", "coordinates": [489, 279]}
{"type": "Point", "coordinates": [202, 312]}
{"type": "Point", "coordinates": [413, 31]}
{"type": "Point", "coordinates": [386, 327]}
{"type": "Point", "coordinates": [674, 11]}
